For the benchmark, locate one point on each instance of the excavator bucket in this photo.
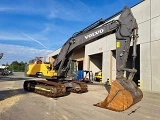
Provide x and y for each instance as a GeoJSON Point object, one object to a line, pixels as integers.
{"type": "Point", "coordinates": [122, 95]}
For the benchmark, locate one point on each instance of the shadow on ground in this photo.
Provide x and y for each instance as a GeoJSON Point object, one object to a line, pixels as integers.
{"type": "Point", "coordinates": [106, 86]}
{"type": "Point", "coordinates": [11, 93]}
{"type": "Point", "coordinates": [4, 94]}
{"type": "Point", "coordinates": [11, 78]}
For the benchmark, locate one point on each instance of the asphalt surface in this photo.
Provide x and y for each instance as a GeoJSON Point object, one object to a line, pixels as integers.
{"type": "Point", "coordinates": [16, 104]}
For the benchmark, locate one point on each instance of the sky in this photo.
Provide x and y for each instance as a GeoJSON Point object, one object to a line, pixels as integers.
{"type": "Point", "coordinates": [35, 28]}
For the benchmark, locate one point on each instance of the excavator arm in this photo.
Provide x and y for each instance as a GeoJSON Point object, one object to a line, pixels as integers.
{"type": "Point", "coordinates": [124, 92]}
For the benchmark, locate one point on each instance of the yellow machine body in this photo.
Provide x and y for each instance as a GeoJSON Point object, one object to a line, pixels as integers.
{"type": "Point", "coordinates": [40, 70]}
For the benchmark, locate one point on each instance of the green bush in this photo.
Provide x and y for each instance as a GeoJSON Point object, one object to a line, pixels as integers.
{"type": "Point", "coordinates": [17, 66]}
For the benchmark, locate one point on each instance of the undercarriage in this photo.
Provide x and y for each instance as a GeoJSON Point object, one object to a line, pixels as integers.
{"type": "Point", "coordinates": [54, 89]}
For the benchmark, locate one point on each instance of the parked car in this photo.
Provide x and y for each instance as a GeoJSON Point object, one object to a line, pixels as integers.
{"type": "Point", "coordinates": [6, 72]}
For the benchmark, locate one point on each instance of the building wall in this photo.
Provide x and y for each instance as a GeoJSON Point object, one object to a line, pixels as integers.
{"type": "Point", "coordinates": [93, 48]}
{"type": "Point", "coordinates": [155, 42]}
{"type": "Point", "coordinates": [144, 40]}
{"type": "Point", "coordinates": [52, 56]}
{"type": "Point", "coordinates": [79, 55]}
{"type": "Point", "coordinates": [147, 15]}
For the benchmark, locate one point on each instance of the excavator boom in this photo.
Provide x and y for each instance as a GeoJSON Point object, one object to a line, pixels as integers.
{"type": "Point", "coordinates": [124, 92]}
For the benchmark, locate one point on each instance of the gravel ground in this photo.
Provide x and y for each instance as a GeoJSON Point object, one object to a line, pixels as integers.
{"type": "Point", "coordinates": [16, 104]}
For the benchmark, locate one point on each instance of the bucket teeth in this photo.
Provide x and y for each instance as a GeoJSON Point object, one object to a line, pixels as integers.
{"type": "Point", "coordinates": [122, 95]}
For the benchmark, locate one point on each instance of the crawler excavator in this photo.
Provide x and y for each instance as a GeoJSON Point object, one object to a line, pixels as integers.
{"type": "Point", "coordinates": [124, 92]}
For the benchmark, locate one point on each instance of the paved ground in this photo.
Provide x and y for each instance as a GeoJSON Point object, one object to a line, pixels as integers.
{"type": "Point", "coordinates": [16, 104]}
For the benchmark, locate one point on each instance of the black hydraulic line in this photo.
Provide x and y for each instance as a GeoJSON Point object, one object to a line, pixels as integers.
{"type": "Point", "coordinates": [90, 27]}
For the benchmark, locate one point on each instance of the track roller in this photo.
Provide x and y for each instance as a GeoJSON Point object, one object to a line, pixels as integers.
{"type": "Point", "coordinates": [76, 87]}
{"type": "Point", "coordinates": [46, 88]}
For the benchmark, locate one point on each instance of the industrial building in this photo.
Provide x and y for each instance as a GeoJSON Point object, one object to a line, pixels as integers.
{"type": "Point", "coordinates": [100, 55]}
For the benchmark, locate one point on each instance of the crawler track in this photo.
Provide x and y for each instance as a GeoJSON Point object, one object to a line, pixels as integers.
{"type": "Point", "coordinates": [46, 88]}
{"type": "Point", "coordinates": [82, 85]}
{"type": "Point", "coordinates": [54, 89]}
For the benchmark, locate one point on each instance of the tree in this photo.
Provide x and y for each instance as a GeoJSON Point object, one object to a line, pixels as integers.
{"type": "Point", "coordinates": [3, 65]}
{"type": "Point", "coordinates": [7, 64]}
{"type": "Point", "coordinates": [17, 66]}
